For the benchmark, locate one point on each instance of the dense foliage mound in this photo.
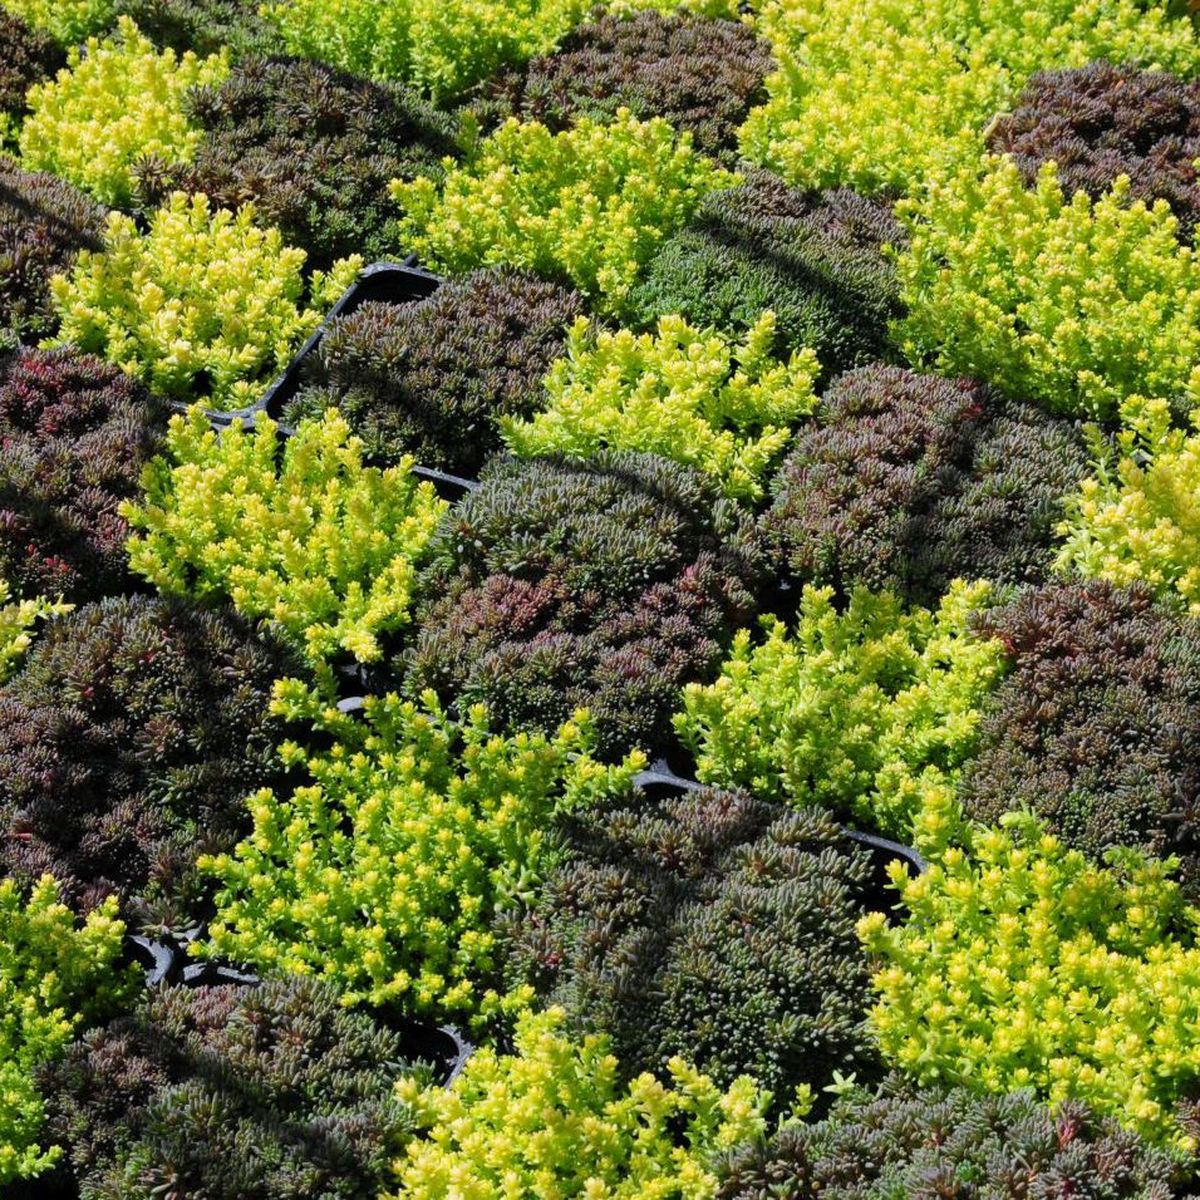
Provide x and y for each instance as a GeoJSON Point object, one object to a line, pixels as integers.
{"type": "Point", "coordinates": [1097, 727]}
{"type": "Point", "coordinates": [204, 26]}
{"type": "Point", "coordinates": [904, 1141]}
{"type": "Point", "coordinates": [56, 973]}
{"type": "Point", "coordinates": [604, 584]}
{"type": "Point", "coordinates": [44, 223]}
{"type": "Point", "coordinates": [701, 75]}
{"type": "Point", "coordinates": [433, 378]}
{"type": "Point", "coordinates": [1136, 517]}
{"type": "Point", "coordinates": [128, 742]}
{"type": "Point", "coordinates": [1022, 964]}
{"type": "Point", "coordinates": [20, 622]}
{"type": "Point", "coordinates": [67, 21]}
{"type": "Point", "coordinates": [907, 481]}
{"type": "Point", "coordinates": [691, 395]}
{"type": "Point", "coordinates": [74, 436]}
{"type": "Point", "coordinates": [863, 710]}
{"type": "Point", "coordinates": [555, 1119]}
{"type": "Point", "coordinates": [385, 873]}
{"type": "Point", "coordinates": [815, 259]}
{"type": "Point", "coordinates": [205, 304]}
{"type": "Point", "coordinates": [708, 925]}
{"type": "Point", "coordinates": [274, 1092]}
{"type": "Point", "coordinates": [1077, 304]}
{"type": "Point", "coordinates": [322, 547]}
{"type": "Point", "coordinates": [120, 100]}
{"type": "Point", "coordinates": [588, 206]}
{"type": "Point", "coordinates": [30, 55]}
{"type": "Point", "coordinates": [1101, 121]}
{"type": "Point", "coordinates": [314, 149]}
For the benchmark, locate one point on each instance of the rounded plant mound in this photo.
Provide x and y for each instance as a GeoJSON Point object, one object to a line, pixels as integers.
{"type": "Point", "coordinates": [1097, 725]}
{"type": "Point", "coordinates": [708, 925]}
{"type": "Point", "coordinates": [274, 1092]}
{"type": "Point", "coordinates": [433, 378]}
{"type": "Point", "coordinates": [605, 583]}
{"type": "Point", "coordinates": [75, 434]}
{"type": "Point", "coordinates": [128, 744]}
{"type": "Point", "coordinates": [1099, 121]}
{"type": "Point", "coordinates": [814, 258]}
{"type": "Point", "coordinates": [907, 481]}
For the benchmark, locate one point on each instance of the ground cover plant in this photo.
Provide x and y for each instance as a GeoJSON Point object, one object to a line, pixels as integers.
{"type": "Point", "coordinates": [30, 55]}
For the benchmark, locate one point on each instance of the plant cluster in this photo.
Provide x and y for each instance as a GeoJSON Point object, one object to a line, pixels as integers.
{"type": "Point", "coordinates": [901, 1140]}
{"type": "Point", "coordinates": [30, 55]}
{"type": "Point", "coordinates": [1023, 965]}
{"type": "Point", "coordinates": [883, 94]}
{"type": "Point", "coordinates": [1098, 122]}
{"type": "Point", "coordinates": [701, 75]}
{"type": "Point", "coordinates": [271, 1092]}
{"type": "Point", "coordinates": [75, 434]}
{"type": "Point", "coordinates": [687, 394]}
{"type": "Point", "coordinates": [554, 1119]}
{"type": "Point", "coordinates": [128, 742]}
{"type": "Point", "coordinates": [589, 205]}
{"type": "Point", "coordinates": [205, 304]}
{"type": "Point", "coordinates": [861, 711]}
{"type": "Point", "coordinates": [313, 149]}
{"type": "Point", "coordinates": [118, 101]}
{"type": "Point", "coordinates": [604, 584]}
{"type": "Point", "coordinates": [44, 223]}
{"type": "Point", "coordinates": [815, 259]}
{"type": "Point", "coordinates": [55, 974]}
{"type": "Point", "coordinates": [319, 546]}
{"type": "Point", "coordinates": [67, 21]}
{"type": "Point", "coordinates": [1136, 519]}
{"type": "Point", "coordinates": [1097, 726]}
{"type": "Point", "coordinates": [1075, 303]}
{"type": "Point", "coordinates": [18, 622]}
{"type": "Point", "coordinates": [907, 481]}
{"type": "Point", "coordinates": [433, 378]}
{"type": "Point", "coordinates": [442, 46]}
{"type": "Point", "coordinates": [384, 874]}
{"type": "Point", "coordinates": [204, 26]}
{"type": "Point", "coordinates": [705, 924]}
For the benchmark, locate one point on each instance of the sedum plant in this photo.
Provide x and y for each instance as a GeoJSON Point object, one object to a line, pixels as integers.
{"type": "Point", "coordinates": [905, 1141]}
{"type": "Point", "coordinates": [44, 223]}
{"type": "Point", "coordinates": [815, 259]}
{"type": "Point", "coordinates": [862, 711]}
{"type": "Point", "coordinates": [67, 21]}
{"type": "Point", "coordinates": [204, 305]}
{"type": "Point", "coordinates": [56, 973]}
{"type": "Point", "coordinates": [319, 546]}
{"type": "Point", "coordinates": [75, 434]}
{"type": "Point", "coordinates": [383, 874]}
{"type": "Point", "coordinates": [1137, 518]}
{"type": "Point", "coordinates": [204, 26]}
{"type": "Point", "coordinates": [119, 100]}
{"type": "Point", "coordinates": [30, 55]}
{"type": "Point", "coordinates": [1073, 303]}
{"type": "Point", "coordinates": [880, 95]}
{"type": "Point", "coordinates": [18, 625]}
{"type": "Point", "coordinates": [686, 394]}
{"type": "Point", "coordinates": [1023, 965]}
{"type": "Point", "coordinates": [707, 924]}
{"type": "Point", "coordinates": [588, 205]}
{"type": "Point", "coordinates": [300, 1107]}
{"type": "Point", "coordinates": [1099, 122]}
{"type": "Point", "coordinates": [554, 1119]}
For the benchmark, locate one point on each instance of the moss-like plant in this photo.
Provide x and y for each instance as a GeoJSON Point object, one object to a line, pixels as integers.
{"type": "Point", "coordinates": [75, 434]}
{"type": "Point", "coordinates": [118, 100]}
{"type": "Point", "coordinates": [204, 305]}
{"type": "Point", "coordinates": [128, 742]}
{"type": "Point", "coordinates": [434, 378]}
{"type": "Point", "coordinates": [321, 547]}
{"type": "Point", "coordinates": [710, 925]}
{"type": "Point", "coordinates": [44, 223]}
{"type": "Point", "coordinates": [384, 874]}
{"type": "Point", "coordinates": [274, 1092]}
